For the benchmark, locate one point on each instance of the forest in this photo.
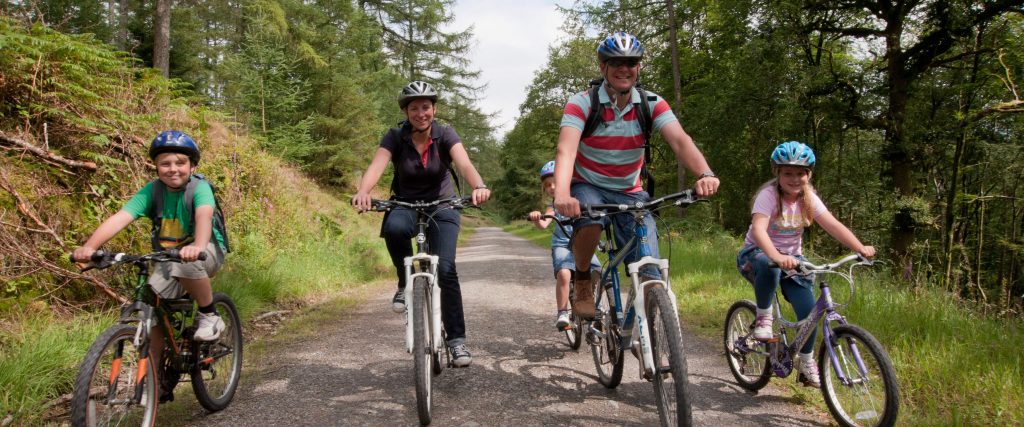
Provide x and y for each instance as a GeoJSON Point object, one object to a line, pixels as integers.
{"type": "Point", "coordinates": [913, 107]}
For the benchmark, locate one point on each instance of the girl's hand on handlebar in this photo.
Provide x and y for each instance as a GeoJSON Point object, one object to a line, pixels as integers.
{"type": "Point", "coordinates": [480, 196]}
{"type": "Point", "coordinates": [533, 216]}
{"type": "Point", "coordinates": [786, 262]}
{"type": "Point", "coordinates": [361, 201]}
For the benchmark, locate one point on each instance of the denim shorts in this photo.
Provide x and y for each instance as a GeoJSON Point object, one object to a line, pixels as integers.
{"type": "Point", "coordinates": [589, 194]}
{"type": "Point", "coordinates": [751, 258]}
{"type": "Point", "coordinates": [562, 259]}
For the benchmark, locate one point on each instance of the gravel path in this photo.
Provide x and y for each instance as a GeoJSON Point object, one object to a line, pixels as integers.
{"type": "Point", "coordinates": [356, 370]}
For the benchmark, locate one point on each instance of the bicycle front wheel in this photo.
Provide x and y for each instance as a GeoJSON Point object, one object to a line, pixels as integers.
{"type": "Point", "coordinates": [605, 346]}
{"type": "Point", "coordinates": [747, 357]}
{"type": "Point", "coordinates": [670, 372]}
{"type": "Point", "coordinates": [859, 385]}
{"type": "Point", "coordinates": [219, 364]}
{"type": "Point", "coordinates": [109, 380]}
{"type": "Point", "coordinates": [422, 348]}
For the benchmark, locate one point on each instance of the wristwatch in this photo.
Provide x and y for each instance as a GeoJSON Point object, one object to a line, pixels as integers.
{"type": "Point", "coordinates": [707, 174]}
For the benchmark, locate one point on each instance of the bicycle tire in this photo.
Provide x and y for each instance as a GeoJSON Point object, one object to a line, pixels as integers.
{"type": "Point", "coordinates": [854, 405]}
{"type": "Point", "coordinates": [607, 352]}
{"type": "Point", "coordinates": [671, 383]}
{"type": "Point", "coordinates": [213, 390]}
{"type": "Point", "coordinates": [747, 358]}
{"type": "Point", "coordinates": [574, 335]}
{"type": "Point", "coordinates": [113, 361]}
{"type": "Point", "coordinates": [422, 349]}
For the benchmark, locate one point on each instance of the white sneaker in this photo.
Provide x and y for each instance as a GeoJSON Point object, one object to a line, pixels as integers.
{"type": "Point", "coordinates": [808, 370]}
{"type": "Point", "coordinates": [563, 322]}
{"type": "Point", "coordinates": [763, 328]}
{"type": "Point", "coordinates": [209, 327]}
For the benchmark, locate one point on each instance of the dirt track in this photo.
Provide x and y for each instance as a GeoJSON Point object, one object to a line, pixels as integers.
{"type": "Point", "coordinates": [356, 371]}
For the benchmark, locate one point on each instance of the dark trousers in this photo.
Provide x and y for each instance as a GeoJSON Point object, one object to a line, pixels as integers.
{"type": "Point", "coordinates": [442, 236]}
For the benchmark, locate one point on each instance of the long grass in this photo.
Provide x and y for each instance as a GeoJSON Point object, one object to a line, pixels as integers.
{"type": "Point", "coordinates": [954, 366]}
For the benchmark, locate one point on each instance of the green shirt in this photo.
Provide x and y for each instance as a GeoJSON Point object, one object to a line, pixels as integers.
{"type": "Point", "coordinates": [175, 229]}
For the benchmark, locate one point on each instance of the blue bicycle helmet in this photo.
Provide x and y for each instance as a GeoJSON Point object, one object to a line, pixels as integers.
{"type": "Point", "coordinates": [619, 45]}
{"type": "Point", "coordinates": [174, 141]}
{"type": "Point", "coordinates": [793, 153]}
{"type": "Point", "coordinates": [547, 170]}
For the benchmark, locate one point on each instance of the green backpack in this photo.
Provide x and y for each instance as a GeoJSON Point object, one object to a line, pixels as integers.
{"type": "Point", "coordinates": [156, 210]}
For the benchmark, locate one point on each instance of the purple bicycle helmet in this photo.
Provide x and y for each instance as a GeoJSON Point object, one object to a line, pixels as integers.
{"type": "Point", "coordinates": [547, 170]}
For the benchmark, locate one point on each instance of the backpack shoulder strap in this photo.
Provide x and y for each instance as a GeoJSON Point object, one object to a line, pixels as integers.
{"type": "Point", "coordinates": [446, 158]}
{"type": "Point", "coordinates": [156, 212]}
{"type": "Point", "coordinates": [647, 127]}
{"type": "Point", "coordinates": [596, 116]}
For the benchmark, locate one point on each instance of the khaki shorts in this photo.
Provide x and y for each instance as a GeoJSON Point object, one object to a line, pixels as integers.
{"type": "Point", "coordinates": [164, 278]}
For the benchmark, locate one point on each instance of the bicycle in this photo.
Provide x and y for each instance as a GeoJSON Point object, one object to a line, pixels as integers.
{"type": "Point", "coordinates": [424, 334]}
{"type": "Point", "coordinates": [648, 324]}
{"type": "Point", "coordinates": [117, 382]}
{"type": "Point", "coordinates": [859, 387]}
{"type": "Point", "coordinates": [574, 332]}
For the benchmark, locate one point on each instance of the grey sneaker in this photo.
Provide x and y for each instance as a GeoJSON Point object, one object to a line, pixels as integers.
{"type": "Point", "coordinates": [398, 302]}
{"type": "Point", "coordinates": [460, 356]}
{"type": "Point", "coordinates": [209, 327]}
{"type": "Point", "coordinates": [563, 322]}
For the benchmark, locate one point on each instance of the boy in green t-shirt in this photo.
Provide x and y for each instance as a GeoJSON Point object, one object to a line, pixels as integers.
{"type": "Point", "coordinates": [176, 156]}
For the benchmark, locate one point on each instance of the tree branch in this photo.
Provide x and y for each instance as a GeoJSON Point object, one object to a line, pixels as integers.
{"type": "Point", "coordinates": [78, 164]}
{"type": "Point", "coordinates": [26, 210]}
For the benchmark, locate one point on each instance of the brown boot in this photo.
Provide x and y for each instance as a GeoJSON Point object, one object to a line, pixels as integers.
{"type": "Point", "coordinates": [583, 303]}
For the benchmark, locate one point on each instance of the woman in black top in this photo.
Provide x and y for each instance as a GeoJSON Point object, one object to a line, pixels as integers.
{"type": "Point", "coordinates": [422, 152]}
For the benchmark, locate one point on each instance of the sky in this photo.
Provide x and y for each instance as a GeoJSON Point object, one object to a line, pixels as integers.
{"type": "Point", "coordinates": [511, 43]}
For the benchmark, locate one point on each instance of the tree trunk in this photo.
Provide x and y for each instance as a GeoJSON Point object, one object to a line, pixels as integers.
{"type": "Point", "coordinates": [122, 24]}
{"type": "Point", "coordinates": [676, 83]}
{"type": "Point", "coordinates": [162, 37]}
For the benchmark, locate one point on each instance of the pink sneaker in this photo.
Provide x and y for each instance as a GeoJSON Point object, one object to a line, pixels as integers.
{"type": "Point", "coordinates": [763, 328]}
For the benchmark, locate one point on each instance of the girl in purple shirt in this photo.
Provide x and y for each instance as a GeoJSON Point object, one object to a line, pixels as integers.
{"type": "Point", "coordinates": [782, 209]}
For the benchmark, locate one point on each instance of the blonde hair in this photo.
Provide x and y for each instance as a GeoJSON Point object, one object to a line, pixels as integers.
{"type": "Point", "coordinates": [806, 200]}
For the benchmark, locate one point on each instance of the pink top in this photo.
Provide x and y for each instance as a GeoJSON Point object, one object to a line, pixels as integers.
{"type": "Point", "coordinates": [786, 235]}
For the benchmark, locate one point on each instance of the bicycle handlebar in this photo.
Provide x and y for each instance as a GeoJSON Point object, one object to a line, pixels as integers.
{"type": "Point", "coordinates": [464, 202]}
{"type": "Point", "coordinates": [806, 268]}
{"type": "Point", "coordinates": [682, 198]}
{"type": "Point", "coordinates": [102, 259]}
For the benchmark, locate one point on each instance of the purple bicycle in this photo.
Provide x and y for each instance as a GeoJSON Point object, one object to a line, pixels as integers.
{"type": "Point", "coordinates": [857, 377]}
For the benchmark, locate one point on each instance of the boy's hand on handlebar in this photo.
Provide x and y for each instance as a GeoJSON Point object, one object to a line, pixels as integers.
{"type": "Point", "coordinates": [190, 253]}
{"type": "Point", "coordinates": [567, 206]}
{"type": "Point", "coordinates": [707, 186]}
{"type": "Point", "coordinates": [362, 201]}
{"type": "Point", "coordinates": [82, 255]}
{"type": "Point", "coordinates": [480, 196]}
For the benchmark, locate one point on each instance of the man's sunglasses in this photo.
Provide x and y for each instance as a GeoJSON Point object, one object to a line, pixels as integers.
{"type": "Point", "coordinates": [619, 62]}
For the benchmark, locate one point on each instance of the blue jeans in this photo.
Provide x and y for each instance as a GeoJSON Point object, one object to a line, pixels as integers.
{"type": "Point", "coordinates": [442, 235]}
{"type": "Point", "coordinates": [799, 291]}
{"type": "Point", "coordinates": [589, 194]}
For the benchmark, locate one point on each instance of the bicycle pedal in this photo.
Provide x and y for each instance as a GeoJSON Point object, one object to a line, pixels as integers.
{"type": "Point", "coordinates": [772, 340]}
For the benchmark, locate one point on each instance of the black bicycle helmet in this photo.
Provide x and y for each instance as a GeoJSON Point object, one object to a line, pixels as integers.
{"type": "Point", "coordinates": [416, 90]}
{"type": "Point", "coordinates": [620, 45]}
{"type": "Point", "coordinates": [174, 141]}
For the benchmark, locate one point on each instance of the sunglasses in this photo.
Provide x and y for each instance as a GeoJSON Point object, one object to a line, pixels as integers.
{"type": "Point", "coordinates": [620, 62]}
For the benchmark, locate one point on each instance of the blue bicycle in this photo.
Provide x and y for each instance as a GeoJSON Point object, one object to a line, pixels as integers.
{"type": "Point", "coordinates": [648, 323]}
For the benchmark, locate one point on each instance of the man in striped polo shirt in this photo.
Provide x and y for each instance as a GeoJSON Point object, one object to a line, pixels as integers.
{"type": "Point", "coordinates": [604, 167]}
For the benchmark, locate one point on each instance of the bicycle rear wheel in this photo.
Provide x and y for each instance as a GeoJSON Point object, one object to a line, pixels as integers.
{"type": "Point", "coordinates": [606, 349]}
{"type": "Point", "coordinates": [107, 381]}
{"type": "Point", "coordinates": [670, 378]}
{"type": "Point", "coordinates": [219, 364]}
{"type": "Point", "coordinates": [860, 388]}
{"type": "Point", "coordinates": [747, 357]}
{"type": "Point", "coordinates": [574, 334]}
{"type": "Point", "coordinates": [422, 348]}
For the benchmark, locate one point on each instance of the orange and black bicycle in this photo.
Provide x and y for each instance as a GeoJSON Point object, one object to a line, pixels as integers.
{"type": "Point", "coordinates": [119, 384]}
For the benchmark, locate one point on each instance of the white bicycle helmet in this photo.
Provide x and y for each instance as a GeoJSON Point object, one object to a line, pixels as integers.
{"type": "Point", "coordinates": [620, 45]}
{"type": "Point", "coordinates": [416, 90]}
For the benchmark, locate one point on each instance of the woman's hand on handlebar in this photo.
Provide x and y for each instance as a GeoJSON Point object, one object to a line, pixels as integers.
{"type": "Point", "coordinates": [868, 252]}
{"type": "Point", "coordinates": [362, 201]}
{"type": "Point", "coordinates": [480, 196]}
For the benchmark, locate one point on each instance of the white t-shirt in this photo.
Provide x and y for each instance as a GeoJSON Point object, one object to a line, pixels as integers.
{"type": "Point", "coordinates": [786, 235]}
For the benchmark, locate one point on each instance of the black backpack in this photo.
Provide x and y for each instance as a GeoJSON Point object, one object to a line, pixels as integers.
{"type": "Point", "coordinates": [156, 210]}
{"type": "Point", "coordinates": [643, 109]}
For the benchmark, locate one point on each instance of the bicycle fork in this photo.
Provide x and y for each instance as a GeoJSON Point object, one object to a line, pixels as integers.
{"type": "Point", "coordinates": [640, 327]}
{"type": "Point", "coordinates": [435, 298]}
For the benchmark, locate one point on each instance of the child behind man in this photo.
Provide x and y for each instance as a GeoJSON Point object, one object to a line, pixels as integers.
{"type": "Point", "coordinates": [561, 256]}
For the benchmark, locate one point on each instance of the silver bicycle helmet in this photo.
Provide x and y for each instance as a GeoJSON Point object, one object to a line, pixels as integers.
{"type": "Point", "coordinates": [416, 90]}
{"type": "Point", "coordinates": [620, 45]}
